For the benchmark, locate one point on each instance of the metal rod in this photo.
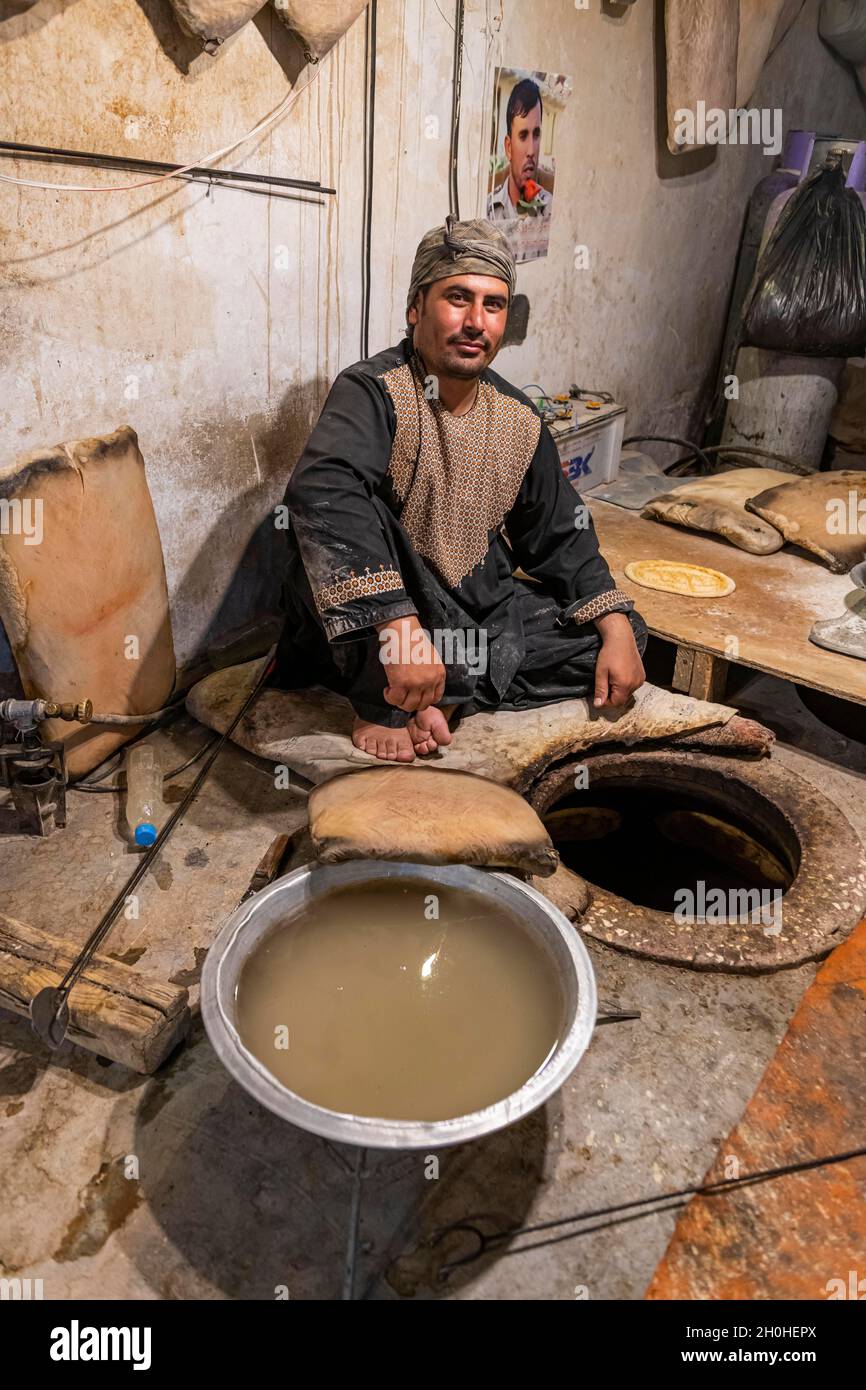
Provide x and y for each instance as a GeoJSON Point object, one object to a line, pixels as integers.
{"type": "Point", "coordinates": [722, 1188]}
{"type": "Point", "coordinates": [61, 993]}
{"type": "Point", "coordinates": [354, 1225]}
{"type": "Point", "coordinates": [13, 148]}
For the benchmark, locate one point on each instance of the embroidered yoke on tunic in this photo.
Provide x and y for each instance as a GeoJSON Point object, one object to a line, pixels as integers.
{"type": "Point", "coordinates": [454, 484]}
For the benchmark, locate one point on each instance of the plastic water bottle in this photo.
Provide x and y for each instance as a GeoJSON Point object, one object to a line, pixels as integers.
{"type": "Point", "coordinates": [144, 803]}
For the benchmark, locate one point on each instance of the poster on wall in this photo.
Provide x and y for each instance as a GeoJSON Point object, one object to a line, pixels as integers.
{"type": "Point", "coordinates": [526, 106]}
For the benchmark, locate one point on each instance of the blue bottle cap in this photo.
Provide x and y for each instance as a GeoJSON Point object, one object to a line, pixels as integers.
{"type": "Point", "coordinates": [145, 833]}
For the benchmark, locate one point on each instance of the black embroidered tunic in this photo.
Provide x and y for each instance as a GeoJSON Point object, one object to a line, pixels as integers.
{"type": "Point", "coordinates": [397, 507]}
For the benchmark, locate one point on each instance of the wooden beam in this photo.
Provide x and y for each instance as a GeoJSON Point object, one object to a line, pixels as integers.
{"type": "Point", "coordinates": [113, 1009]}
{"type": "Point", "coordinates": [700, 674]}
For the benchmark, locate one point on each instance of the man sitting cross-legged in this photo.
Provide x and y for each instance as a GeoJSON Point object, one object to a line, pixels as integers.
{"type": "Point", "coordinates": [426, 482]}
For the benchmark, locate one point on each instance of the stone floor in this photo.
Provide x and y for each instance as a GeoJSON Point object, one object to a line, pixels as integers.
{"type": "Point", "coordinates": [179, 1186]}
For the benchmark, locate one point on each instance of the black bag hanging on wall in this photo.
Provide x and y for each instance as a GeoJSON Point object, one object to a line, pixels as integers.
{"type": "Point", "coordinates": [809, 291]}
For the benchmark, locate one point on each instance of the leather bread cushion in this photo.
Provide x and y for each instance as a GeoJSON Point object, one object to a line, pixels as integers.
{"type": "Point", "coordinates": [763, 24]}
{"type": "Point", "coordinates": [71, 602]}
{"type": "Point", "coordinates": [716, 49]}
{"type": "Point", "coordinates": [214, 21]}
{"type": "Point", "coordinates": [718, 504]}
{"type": "Point", "coordinates": [701, 59]}
{"type": "Point", "coordinates": [848, 422]}
{"type": "Point", "coordinates": [427, 816]}
{"type": "Point", "coordinates": [824, 513]}
{"type": "Point", "coordinates": [319, 26]}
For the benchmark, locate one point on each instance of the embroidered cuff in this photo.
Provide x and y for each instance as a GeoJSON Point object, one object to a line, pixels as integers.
{"type": "Point", "coordinates": [586, 610]}
{"type": "Point", "coordinates": [378, 581]}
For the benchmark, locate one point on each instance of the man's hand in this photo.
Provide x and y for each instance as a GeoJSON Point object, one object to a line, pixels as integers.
{"type": "Point", "coordinates": [619, 669]}
{"type": "Point", "coordinates": [414, 675]}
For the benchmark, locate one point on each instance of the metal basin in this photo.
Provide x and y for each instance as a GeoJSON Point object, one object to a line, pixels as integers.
{"type": "Point", "coordinates": [255, 918]}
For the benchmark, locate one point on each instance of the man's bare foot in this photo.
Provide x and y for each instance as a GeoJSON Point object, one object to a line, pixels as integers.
{"type": "Point", "coordinates": [428, 729]}
{"type": "Point", "coordinates": [392, 745]}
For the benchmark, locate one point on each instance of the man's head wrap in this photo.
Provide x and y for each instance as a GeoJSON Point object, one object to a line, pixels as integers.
{"type": "Point", "coordinates": [461, 248]}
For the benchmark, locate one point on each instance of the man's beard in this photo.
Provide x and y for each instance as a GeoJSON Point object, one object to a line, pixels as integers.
{"type": "Point", "coordinates": [466, 368]}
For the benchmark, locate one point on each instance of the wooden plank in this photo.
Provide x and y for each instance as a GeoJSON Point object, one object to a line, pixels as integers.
{"type": "Point", "coordinates": [683, 667]}
{"type": "Point", "coordinates": [764, 623]}
{"type": "Point", "coordinates": [60, 886]}
{"type": "Point", "coordinates": [709, 677]}
{"type": "Point", "coordinates": [113, 1009]}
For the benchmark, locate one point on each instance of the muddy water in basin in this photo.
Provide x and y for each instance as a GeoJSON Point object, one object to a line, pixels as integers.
{"type": "Point", "coordinates": [398, 1001]}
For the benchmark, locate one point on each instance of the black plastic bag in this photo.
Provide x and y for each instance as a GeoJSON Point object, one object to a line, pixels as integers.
{"type": "Point", "coordinates": [809, 291]}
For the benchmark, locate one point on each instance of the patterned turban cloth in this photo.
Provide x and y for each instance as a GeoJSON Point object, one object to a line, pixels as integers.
{"type": "Point", "coordinates": [461, 248]}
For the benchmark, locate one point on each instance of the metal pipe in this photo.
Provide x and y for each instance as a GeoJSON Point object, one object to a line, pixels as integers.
{"type": "Point", "coordinates": [34, 711]}
{"type": "Point", "coordinates": [121, 720]}
{"type": "Point", "coordinates": [14, 149]}
{"type": "Point", "coordinates": [25, 714]}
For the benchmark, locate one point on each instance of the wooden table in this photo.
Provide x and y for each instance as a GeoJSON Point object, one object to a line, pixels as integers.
{"type": "Point", "coordinates": [764, 623]}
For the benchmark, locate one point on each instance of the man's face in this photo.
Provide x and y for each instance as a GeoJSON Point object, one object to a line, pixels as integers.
{"type": "Point", "coordinates": [522, 145]}
{"type": "Point", "coordinates": [459, 322]}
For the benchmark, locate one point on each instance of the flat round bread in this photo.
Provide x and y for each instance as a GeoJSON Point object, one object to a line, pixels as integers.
{"type": "Point", "coordinates": [675, 578]}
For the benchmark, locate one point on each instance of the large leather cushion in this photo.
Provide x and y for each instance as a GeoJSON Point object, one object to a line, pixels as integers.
{"type": "Point", "coordinates": [319, 26]}
{"type": "Point", "coordinates": [428, 816]}
{"type": "Point", "coordinates": [824, 513]}
{"type": "Point", "coordinates": [214, 21]}
{"type": "Point", "coordinates": [718, 504]}
{"type": "Point", "coordinates": [72, 603]}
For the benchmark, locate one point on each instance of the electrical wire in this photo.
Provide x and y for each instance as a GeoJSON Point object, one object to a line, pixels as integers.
{"type": "Point", "coordinates": [584, 393]}
{"type": "Point", "coordinates": [492, 29]}
{"type": "Point", "coordinates": [694, 449]}
{"type": "Point", "coordinates": [183, 169]}
{"type": "Point", "coordinates": [110, 763]}
{"type": "Point", "coordinates": [724, 450]}
{"type": "Point", "coordinates": [91, 785]}
{"type": "Point", "coordinates": [370, 19]}
{"type": "Point", "coordinates": [457, 91]}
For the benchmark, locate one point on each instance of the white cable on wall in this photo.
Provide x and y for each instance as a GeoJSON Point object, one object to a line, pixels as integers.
{"type": "Point", "coordinates": [287, 102]}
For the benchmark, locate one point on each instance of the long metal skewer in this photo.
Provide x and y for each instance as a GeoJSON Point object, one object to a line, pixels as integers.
{"type": "Point", "coordinates": [49, 1009]}
{"type": "Point", "coordinates": [15, 150]}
